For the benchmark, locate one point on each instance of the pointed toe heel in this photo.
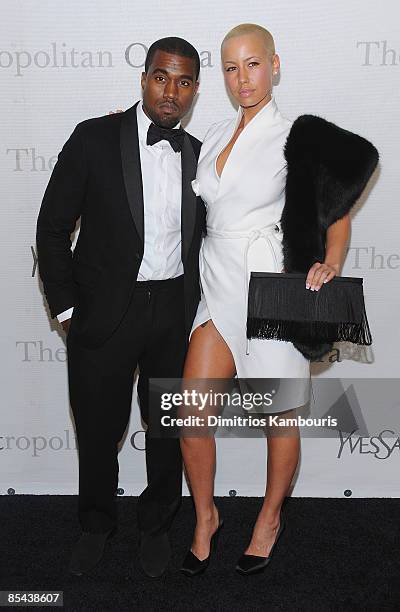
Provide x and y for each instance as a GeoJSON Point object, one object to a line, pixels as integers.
{"type": "Point", "coordinates": [192, 565]}
{"type": "Point", "coordinates": [252, 564]}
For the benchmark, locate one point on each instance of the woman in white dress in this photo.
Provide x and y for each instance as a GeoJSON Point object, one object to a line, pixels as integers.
{"type": "Point", "coordinates": [241, 179]}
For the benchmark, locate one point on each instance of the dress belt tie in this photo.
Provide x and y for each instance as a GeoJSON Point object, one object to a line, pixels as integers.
{"type": "Point", "coordinates": [264, 232]}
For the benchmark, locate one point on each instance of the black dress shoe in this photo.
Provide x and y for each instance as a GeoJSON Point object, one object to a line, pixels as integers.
{"type": "Point", "coordinates": [192, 566]}
{"type": "Point", "coordinates": [252, 564]}
{"type": "Point", "coordinates": [88, 551]}
{"type": "Point", "coordinates": [154, 553]}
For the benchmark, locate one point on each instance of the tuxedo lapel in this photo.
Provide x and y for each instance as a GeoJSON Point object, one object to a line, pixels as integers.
{"type": "Point", "coordinates": [131, 168]}
{"type": "Point", "coordinates": [188, 207]}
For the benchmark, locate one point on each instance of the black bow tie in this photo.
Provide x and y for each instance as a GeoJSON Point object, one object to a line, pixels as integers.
{"type": "Point", "coordinates": [156, 133]}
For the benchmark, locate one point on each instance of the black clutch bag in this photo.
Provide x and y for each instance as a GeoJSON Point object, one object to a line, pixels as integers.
{"type": "Point", "coordinates": [281, 308]}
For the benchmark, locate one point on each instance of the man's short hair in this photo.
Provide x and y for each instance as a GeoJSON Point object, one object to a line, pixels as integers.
{"type": "Point", "coordinates": [173, 44]}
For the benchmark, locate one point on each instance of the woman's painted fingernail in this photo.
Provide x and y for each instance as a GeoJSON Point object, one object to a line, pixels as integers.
{"type": "Point", "coordinates": [307, 285]}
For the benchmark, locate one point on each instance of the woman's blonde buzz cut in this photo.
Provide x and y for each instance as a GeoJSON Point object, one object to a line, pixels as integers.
{"type": "Point", "coordinates": [253, 28]}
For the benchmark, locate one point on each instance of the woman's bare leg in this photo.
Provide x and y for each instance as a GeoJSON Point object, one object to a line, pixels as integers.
{"type": "Point", "coordinates": [208, 357]}
{"type": "Point", "coordinates": [283, 455]}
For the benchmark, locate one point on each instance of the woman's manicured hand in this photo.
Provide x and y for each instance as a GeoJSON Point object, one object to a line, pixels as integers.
{"type": "Point", "coordinates": [320, 273]}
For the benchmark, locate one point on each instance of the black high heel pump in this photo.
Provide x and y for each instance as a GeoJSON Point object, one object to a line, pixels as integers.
{"type": "Point", "coordinates": [192, 566]}
{"type": "Point", "coordinates": [252, 564]}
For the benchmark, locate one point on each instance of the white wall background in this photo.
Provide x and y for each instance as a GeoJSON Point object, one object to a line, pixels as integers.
{"type": "Point", "coordinates": [62, 62]}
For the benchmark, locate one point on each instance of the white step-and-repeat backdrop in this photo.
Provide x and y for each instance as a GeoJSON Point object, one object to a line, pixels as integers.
{"type": "Point", "coordinates": [62, 62]}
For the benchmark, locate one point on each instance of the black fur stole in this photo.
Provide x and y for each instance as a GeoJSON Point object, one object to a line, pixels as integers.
{"type": "Point", "coordinates": [328, 168]}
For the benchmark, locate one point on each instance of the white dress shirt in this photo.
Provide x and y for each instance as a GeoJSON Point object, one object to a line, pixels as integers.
{"type": "Point", "coordinates": [162, 192]}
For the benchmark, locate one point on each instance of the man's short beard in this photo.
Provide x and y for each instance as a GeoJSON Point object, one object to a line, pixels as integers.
{"type": "Point", "coordinates": [167, 122]}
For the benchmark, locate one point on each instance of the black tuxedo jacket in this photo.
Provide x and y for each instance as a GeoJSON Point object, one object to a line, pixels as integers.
{"type": "Point", "coordinates": [98, 178]}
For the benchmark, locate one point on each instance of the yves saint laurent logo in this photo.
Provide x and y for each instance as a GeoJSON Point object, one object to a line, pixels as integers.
{"type": "Point", "coordinates": [377, 445]}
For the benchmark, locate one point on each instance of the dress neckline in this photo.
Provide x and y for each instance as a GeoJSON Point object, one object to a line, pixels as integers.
{"type": "Point", "coordinates": [267, 113]}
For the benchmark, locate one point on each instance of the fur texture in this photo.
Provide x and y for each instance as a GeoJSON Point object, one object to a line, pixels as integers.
{"type": "Point", "coordinates": [328, 168]}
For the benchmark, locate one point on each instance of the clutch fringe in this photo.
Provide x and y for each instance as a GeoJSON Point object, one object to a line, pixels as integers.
{"type": "Point", "coordinates": [309, 331]}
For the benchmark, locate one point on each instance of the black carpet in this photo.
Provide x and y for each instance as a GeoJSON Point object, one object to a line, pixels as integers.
{"type": "Point", "coordinates": [335, 554]}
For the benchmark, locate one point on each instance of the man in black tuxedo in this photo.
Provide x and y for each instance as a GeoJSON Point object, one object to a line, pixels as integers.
{"type": "Point", "coordinates": [131, 285]}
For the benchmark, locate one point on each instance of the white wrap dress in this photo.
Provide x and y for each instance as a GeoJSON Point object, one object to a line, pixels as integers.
{"type": "Point", "coordinates": [244, 208]}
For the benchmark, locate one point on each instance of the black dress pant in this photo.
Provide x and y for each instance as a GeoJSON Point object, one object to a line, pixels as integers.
{"type": "Point", "coordinates": [151, 335]}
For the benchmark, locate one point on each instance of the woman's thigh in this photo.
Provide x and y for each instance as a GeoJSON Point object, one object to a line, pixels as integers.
{"type": "Point", "coordinates": [209, 369]}
{"type": "Point", "coordinates": [208, 354]}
